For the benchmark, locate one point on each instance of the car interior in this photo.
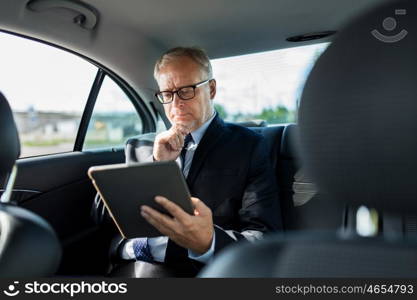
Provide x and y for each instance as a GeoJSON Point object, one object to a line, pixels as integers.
{"type": "Point", "coordinates": [340, 153]}
{"type": "Point", "coordinates": [354, 165]}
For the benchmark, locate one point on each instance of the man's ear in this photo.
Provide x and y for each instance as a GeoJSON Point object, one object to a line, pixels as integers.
{"type": "Point", "coordinates": [213, 88]}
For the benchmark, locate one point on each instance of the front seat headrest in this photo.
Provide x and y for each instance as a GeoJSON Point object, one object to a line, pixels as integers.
{"type": "Point", "coordinates": [358, 112]}
{"type": "Point", "coordinates": [10, 144]}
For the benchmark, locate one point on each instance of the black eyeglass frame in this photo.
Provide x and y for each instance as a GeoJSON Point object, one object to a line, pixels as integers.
{"type": "Point", "coordinates": [194, 86]}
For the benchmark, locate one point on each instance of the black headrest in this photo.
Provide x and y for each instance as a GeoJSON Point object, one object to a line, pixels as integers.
{"type": "Point", "coordinates": [10, 145]}
{"type": "Point", "coordinates": [358, 113]}
{"type": "Point", "coordinates": [28, 245]}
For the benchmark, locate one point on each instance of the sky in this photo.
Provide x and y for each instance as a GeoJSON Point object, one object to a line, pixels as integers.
{"type": "Point", "coordinates": [55, 80]}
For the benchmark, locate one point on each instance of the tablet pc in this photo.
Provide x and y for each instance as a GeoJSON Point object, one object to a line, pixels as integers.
{"type": "Point", "coordinates": [125, 187]}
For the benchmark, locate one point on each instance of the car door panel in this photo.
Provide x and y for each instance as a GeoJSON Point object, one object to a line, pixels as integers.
{"type": "Point", "coordinates": [57, 188]}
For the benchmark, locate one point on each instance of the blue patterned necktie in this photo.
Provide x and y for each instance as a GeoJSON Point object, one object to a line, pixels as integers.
{"type": "Point", "coordinates": [142, 250]}
{"type": "Point", "coordinates": [187, 140]}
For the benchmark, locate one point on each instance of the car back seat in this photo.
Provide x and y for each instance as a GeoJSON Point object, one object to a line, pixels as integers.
{"type": "Point", "coordinates": [300, 200]}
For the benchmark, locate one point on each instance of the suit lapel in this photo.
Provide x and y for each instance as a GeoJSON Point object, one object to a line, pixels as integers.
{"type": "Point", "coordinates": [211, 137]}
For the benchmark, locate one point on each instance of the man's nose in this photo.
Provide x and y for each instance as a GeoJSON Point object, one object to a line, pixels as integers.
{"type": "Point", "coordinates": [177, 101]}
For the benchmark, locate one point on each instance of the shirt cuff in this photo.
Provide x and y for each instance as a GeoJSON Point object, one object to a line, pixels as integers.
{"type": "Point", "coordinates": [205, 257]}
{"type": "Point", "coordinates": [157, 247]}
{"type": "Point", "coordinates": [127, 252]}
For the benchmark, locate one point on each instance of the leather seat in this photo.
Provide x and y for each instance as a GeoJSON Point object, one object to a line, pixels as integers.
{"type": "Point", "coordinates": [358, 143]}
{"type": "Point", "coordinates": [302, 204]}
{"type": "Point", "coordinates": [28, 244]}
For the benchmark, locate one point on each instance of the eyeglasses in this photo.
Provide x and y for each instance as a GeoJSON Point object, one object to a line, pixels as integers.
{"type": "Point", "coordinates": [184, 93]}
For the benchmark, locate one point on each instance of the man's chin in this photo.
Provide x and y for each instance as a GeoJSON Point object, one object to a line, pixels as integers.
{"type": "Point", "coordinates": [185, 122]}
{"type": "Point", "coordinates": [185, 119]}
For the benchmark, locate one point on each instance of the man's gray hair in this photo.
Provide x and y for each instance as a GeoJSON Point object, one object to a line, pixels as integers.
{"type": "Point", "coordinates": [196, 54]}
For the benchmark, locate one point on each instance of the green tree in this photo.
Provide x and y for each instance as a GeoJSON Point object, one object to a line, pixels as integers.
{"type": "Point", "coordinates": [221, 110]}
{"type": "Point", "coordinates": [280, 114]}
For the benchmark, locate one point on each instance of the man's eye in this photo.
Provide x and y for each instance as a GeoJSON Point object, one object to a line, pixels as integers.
{"type": "Point", "coordinates": [186, 91]}
{"type": "Point", "coordinates": [166, 95]}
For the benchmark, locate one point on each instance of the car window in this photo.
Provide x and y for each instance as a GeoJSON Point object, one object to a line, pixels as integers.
{"type": "Point", "coordinates": [160, 125]}
{"type": "Point", "coordinates": [47, 89]}
{"type": "Point", "coordinates": [114, 118]}
{"type": "Point", "coordinates": [263, 86]}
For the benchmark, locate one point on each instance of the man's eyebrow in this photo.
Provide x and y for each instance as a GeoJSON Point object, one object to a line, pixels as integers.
{"type": "Point", "coordinates": [183, 86]}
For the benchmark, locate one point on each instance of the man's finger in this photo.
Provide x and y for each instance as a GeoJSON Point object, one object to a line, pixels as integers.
{"type": "Point", "coordinates": [181, 140]}
{"type": "Point", "coordinates": [180, 135]}
{"type": "Point", "coordinates": [161, 227]}
{"type": "Point", "coordinates": [181, 129]}
{"type": "Point", "coordinates": [176, 141]}
{"type": "Point", "coordinates": [173, 144]}
{"type": "Point", "coordinates": [200, 207]}
{"type": "Point", "coordinates": [176, 211]}
{"type": "Point", "coordinates": [156, 218]}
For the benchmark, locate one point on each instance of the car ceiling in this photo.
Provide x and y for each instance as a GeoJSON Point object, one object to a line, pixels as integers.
{"type": "Point", "coordinates": [131, 34]}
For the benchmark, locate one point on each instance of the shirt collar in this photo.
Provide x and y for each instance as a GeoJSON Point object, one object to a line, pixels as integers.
{"type": "Point", "coordinates": [199, 132]}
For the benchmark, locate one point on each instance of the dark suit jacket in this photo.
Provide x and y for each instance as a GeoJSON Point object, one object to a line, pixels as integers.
{"type": "Point", "coordinates": [232, 174]}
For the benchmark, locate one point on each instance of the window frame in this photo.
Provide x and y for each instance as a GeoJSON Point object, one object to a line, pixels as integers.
{"type": "Point", "coordinates": [89, 111]}
{"type": "Point", "coordinates": [148, 121]}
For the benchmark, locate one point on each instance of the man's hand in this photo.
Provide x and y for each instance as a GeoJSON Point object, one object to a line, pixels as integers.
{"type": "Point", "coordinates": [191, 232]}
{"type": "Point", "coordinates": [168, 144]}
